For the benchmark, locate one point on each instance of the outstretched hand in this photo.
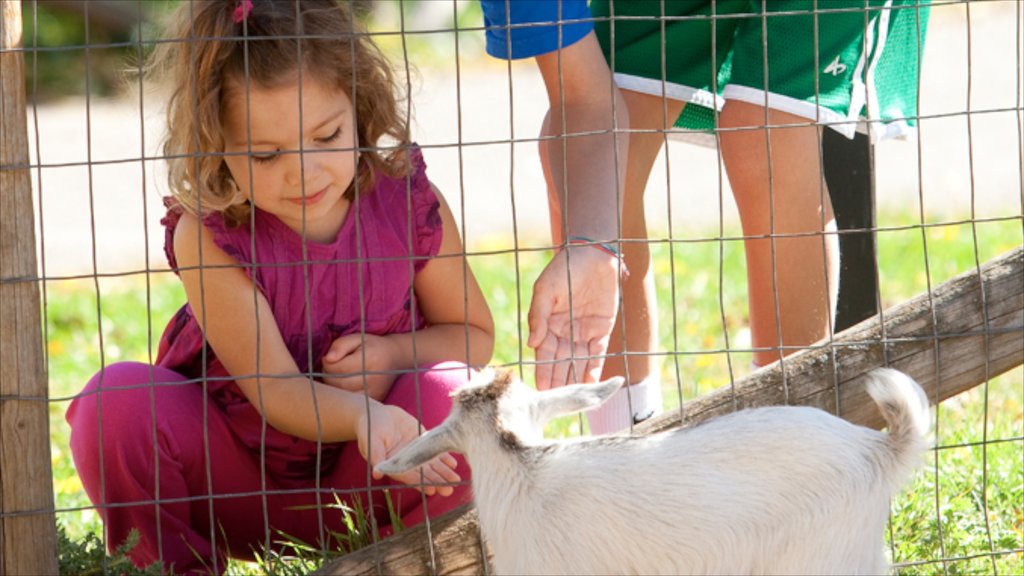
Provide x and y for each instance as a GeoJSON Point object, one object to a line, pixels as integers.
{"type": "Point", "coordinates": [383, 431]}
{"type": "Point", "coordinates": [571, 339]}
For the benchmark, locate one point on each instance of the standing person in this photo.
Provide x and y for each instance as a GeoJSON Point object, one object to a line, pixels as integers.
{"type": "Point", "coordinates": [330, 311]}
{"type": "Point", "coordinates": [584, 163]}
{"type": "Point", "coordinates": [835, 64]}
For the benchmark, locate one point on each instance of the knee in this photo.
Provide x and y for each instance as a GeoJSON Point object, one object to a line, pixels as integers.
{"type": "Point", "coordinates": [122, 397]}
{"type": "Point", "coordinates": [427, 394]}
{"type": "Point", "coordinates": [116, 388]}
{"type": "Point", "coordinates": [112, 419]}
{"type": "Point", "coordinates": [445, 377]}
{"type": "Point", "coordinates": [110, 409]}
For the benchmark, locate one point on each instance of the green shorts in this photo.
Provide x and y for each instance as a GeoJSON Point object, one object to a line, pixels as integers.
{"type": "Point", "coordinates": [847, 64]}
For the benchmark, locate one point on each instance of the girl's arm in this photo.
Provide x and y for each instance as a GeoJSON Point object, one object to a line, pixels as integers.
{"type": "Point", "coordinates": [242, 331]}
{"type": "Point", "coordinates": [459, 321]}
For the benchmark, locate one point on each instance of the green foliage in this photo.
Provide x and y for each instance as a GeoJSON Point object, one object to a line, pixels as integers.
{"type": "Point", "coordinates": [79, 48]}
{"type": "Point", "coordinates": [292, 556]}
{"type": "Point", "coordinates": [88, 556]}
{"type": "Point", "coordinates": [423, 33]}
{"type": "Point", "coordinates": [71, 50]}
{"type": "Point", "coordinates": [968, 500]}
{"type": "Point", "coordinates": [87, 328]}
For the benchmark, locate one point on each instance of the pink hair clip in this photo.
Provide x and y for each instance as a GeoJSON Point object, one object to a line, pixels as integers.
{"type": "Point", "coordinates": [242, 11]}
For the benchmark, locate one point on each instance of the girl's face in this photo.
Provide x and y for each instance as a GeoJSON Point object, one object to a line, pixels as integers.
{"type": "Point", "coordinates": [264, 158]}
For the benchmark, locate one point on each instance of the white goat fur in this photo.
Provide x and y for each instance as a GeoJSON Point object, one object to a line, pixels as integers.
{"type": "Point", "coordinates": [772, 490]}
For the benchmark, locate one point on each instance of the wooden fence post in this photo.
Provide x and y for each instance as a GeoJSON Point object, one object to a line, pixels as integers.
{"type": "Point", "coordinates": [27, 523]}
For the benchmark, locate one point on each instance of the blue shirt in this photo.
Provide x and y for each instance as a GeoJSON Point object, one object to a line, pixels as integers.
{"type": "Point", "coordinates": [533, 26]}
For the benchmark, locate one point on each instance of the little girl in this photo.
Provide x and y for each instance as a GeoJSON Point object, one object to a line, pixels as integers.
{"type": "Point", "coordinates": [328, 298]}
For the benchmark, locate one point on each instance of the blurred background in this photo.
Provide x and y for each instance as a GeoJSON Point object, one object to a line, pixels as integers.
{"type": "Point", "coordinates": [96, 135]}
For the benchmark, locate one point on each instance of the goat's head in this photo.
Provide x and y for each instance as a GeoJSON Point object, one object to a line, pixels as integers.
{"type": "Point", "coordinates": [496, 403]}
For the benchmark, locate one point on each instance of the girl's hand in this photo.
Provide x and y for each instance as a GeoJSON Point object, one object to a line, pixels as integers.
{"type": "Point", "coordinates": [344, 361]}
{"type": "Point", "coordinates": [383, 430]}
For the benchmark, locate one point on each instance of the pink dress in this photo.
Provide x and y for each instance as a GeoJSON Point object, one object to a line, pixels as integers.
{"type": "Point", "coordinates": [361, 281]}
{"type": "Point", "coordinates": [383, 232]}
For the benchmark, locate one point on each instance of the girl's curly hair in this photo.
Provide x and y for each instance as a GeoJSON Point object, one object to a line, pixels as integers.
{"type": "Point", "coordinates": [207, 52]}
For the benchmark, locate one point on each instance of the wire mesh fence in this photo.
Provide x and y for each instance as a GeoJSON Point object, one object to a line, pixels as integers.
{"type": "Point", "coordinates": [224, 387]}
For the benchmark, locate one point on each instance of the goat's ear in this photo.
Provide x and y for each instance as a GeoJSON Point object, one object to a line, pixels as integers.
{"type": "Point", "coordinates": [576, 397]}
{"type": "Point", "coordinates": [419, 451]}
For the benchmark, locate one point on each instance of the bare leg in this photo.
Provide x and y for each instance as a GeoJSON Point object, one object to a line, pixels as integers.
{"type": "Point", "coordinates": [802, 270]}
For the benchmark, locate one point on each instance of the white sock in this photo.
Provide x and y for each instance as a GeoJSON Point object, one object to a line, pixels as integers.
{"type": "Point", "coordinates": [615, 414]}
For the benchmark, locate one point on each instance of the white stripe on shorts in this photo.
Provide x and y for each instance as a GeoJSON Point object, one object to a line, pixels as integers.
{"type": "Point", "coordinates": [801, 108]}
{"type": "Point", "coordinates": [874, 106]}
{"type": "Point", "coordinates": [672, 91]}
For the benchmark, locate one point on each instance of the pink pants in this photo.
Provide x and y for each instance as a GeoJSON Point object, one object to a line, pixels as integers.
{"type": "Point", "coordinates": [223, 506]}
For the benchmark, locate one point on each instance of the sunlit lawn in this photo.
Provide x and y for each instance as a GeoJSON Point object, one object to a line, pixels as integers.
{"type": "Point", "coordinates": [965, 504]}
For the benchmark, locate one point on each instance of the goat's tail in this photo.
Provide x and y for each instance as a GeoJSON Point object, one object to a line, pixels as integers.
{"type": "Point", "coordinates": [905, 408]}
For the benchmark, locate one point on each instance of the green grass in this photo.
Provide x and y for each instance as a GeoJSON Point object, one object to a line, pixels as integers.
{"type": "Point", "coordinates": [968, 501]}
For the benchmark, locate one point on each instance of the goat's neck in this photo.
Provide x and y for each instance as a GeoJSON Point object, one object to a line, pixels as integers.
{"type": "Point", "coordinates": [502, 479]}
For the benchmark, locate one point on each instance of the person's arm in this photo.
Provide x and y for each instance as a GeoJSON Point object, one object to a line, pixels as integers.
{"type": "Point", "coordinates": [459, 324]}
{"type": "Point", "coordinates": [588, 173]}
{"type": "Point", "coordinates": [240, 327]}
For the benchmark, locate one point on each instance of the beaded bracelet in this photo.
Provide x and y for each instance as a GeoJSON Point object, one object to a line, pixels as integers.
{"type": "Point", "coordinates": [605, 247]}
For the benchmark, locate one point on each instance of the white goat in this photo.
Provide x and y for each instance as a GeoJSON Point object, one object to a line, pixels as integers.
{"type": "Point", "coordinates": [772, 490]}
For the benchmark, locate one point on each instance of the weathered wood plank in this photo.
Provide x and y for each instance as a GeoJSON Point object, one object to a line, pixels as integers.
{"type": "Point", "coordinates": [457, 549]}
{"type": "Point", "coordinates": [949, 341]}
{"type": "Point", "coordinates": [946, 340]}
{"type": "Point", "coordinates": [27, 533]}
